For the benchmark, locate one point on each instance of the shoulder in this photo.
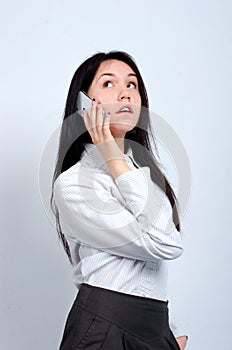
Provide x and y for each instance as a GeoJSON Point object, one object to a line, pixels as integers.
{"type": "Point", "coordinates": [80, 175]}
{"type": "Point", "coordinates": [67, 176]}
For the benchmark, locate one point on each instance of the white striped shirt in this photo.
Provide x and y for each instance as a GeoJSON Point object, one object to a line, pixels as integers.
{"type": "Point", "coordinates": [120, 231]}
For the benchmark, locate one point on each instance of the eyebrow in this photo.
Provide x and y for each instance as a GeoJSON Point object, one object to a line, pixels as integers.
{"type": "Point", "coordinates": [113, 75]}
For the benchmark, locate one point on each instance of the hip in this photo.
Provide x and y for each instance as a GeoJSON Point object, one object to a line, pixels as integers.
{"type": "Point", "coordinates": [109, 319]}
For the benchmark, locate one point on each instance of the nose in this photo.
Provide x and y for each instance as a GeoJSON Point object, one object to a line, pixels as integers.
{"type": "Point", "coordinates": [124, 95]}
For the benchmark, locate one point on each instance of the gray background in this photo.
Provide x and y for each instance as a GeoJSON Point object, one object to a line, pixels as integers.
{"type": "Point", "coordinates": [184, 51]}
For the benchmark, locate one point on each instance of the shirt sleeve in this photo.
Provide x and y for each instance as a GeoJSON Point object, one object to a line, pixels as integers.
{"type": "Point", "coordinates": [177, 329]}
{"type": "Point", "coordinates": [131, 222]}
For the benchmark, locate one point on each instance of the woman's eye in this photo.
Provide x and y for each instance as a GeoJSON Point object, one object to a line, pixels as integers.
{"type": "Point", "coordinates": [131, 85]}
{"type": "Point", "coordinates": [108, 84]}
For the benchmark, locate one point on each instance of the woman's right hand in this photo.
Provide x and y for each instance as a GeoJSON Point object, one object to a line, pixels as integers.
{"type": "Point", "coordinates": [98, 126]}
{"type": "Point", "coordinates": [97, 123]}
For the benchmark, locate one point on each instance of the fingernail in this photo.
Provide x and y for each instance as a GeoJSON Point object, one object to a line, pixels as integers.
{"type": "Point", "coordinates": [108, 113]}
{"type": "Point", "coordinates": [99, 103]}
{"type": "Point", "coordinates": [93, 100]}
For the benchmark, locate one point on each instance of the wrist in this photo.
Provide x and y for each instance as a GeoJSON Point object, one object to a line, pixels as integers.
{"type": "Point", "coordinates": [117, 167]}
{"type": "Point", "coordinates": [110, 150]}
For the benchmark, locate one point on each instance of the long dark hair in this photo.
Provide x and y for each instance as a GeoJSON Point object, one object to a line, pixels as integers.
{"type": "Point", "coordinates": [74, 134]}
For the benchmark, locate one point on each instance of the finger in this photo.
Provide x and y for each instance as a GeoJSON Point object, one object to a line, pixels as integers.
{"type": "Point", "coordinates": [99, 117]}
{"type": "Point", "coordinates": [93, 113]}
{"type": "Point", "coordinates": [86, 119]}
{"type": "Point", "coordinates": [106, 125]}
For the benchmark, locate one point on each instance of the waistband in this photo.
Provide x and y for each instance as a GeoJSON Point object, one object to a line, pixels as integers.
{"type": "Point", "coordinates": [144, 316]}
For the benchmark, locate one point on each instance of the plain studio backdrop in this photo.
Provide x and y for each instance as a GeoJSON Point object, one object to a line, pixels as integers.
{"type": "Point", "coordinates": [184, 51]}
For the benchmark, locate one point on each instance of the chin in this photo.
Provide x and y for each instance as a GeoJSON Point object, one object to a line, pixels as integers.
{"type": "Point", "coordinates": [118, 129]}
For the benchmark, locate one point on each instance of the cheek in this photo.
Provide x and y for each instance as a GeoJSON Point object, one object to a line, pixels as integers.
{"type": "Point", "coordinates": [95, 92]}
{"type": "Point", "coordinates": [108, 96]}
{"type": "Point", "coordinates": [137, 99]}
{"type": "Point", "coordinates": [103, 97]}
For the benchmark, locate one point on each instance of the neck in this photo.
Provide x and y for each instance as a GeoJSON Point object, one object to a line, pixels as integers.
{"type": "Point", "coordinates": [120, 143]}
{"type": "Point", "coordinates": [119, 139]}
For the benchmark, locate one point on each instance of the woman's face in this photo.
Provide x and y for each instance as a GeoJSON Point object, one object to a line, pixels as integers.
{"type": "Point", "coordinates": [115, 85]}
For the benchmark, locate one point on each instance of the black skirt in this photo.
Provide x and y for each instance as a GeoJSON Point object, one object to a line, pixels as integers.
{"type": "Point", "coordinates": [109, 320]}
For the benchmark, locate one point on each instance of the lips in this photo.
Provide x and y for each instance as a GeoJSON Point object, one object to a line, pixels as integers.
{"type": "Point", "coordinates": [125, 109]}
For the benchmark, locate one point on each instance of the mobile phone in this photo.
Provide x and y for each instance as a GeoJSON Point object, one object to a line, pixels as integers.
{"type": "Point", "coordinates": [83, 101]}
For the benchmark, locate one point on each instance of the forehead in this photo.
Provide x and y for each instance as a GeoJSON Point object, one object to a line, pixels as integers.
{"type": "Point", "coordinates": [115, 67]}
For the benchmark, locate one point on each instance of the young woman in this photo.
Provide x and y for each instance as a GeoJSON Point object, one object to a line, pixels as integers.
{"type": "Point", "coordinates": [116, 213]}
